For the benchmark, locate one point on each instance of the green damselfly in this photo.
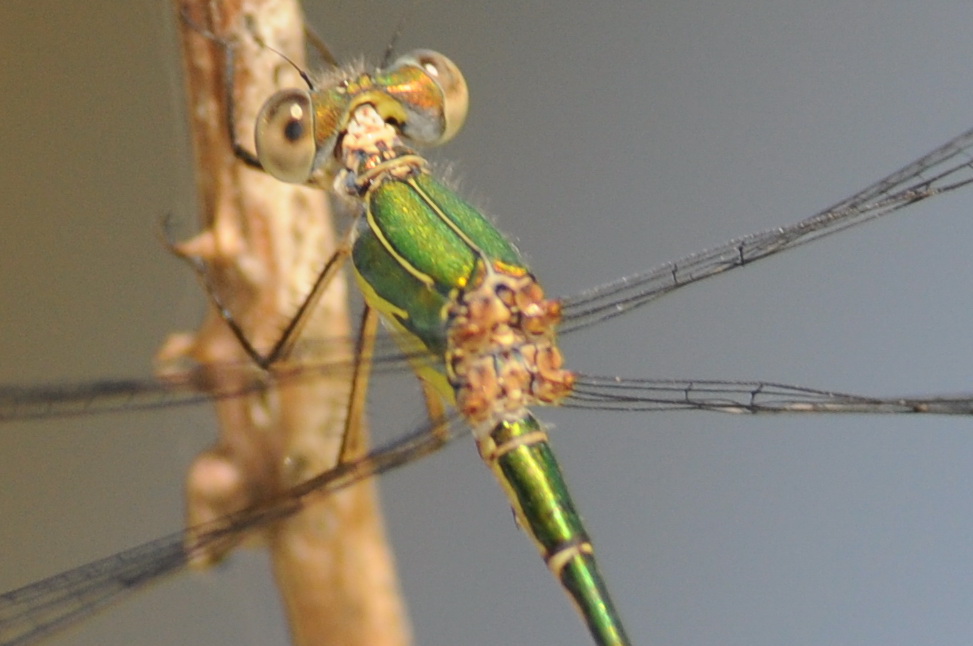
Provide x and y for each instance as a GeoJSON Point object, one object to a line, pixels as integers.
{"type": "Point", "coordinates": [726, 355]}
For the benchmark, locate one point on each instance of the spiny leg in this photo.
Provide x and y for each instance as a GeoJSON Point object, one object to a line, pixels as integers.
{"type": "Point", "coordinates": [353, 442]}
{"type": "Point", "coordinates": [228, 46]}
{"type": "Point", "coordinates": [288, 337]}
{"type": "Point", "coordinates": [437, 412]}
{"type": "Point", "coordinates": [282, 348]}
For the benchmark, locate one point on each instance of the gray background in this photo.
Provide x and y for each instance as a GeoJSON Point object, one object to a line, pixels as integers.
{"type": "Point", "coordinates": [606, 138]}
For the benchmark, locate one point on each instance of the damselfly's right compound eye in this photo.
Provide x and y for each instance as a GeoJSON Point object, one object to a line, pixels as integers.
{"type": "Point", "coordinates": [285, 136]}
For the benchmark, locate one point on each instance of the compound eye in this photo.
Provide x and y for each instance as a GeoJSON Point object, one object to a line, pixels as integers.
{"type": "Point", "coordinates": [285, 136]}
{"type": "Point", "coordinates": [456, 94]}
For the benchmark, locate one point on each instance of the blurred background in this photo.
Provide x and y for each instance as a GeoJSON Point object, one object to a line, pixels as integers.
{"type": "Point", "coordinates": [605, 138]}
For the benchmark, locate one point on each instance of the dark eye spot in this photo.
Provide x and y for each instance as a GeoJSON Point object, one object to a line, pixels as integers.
{"type": "Point", "coordinates": [294, 130]}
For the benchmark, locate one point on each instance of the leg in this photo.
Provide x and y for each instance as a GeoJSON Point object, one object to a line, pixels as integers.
{"type": "Point", "coordinates": [285, 343]}
{"type": "Point", "coordinates": [228, 46]}
{"type": "Point", "coordinates": [437, 413]}
{"type": "Point", "coordinates": [353, 442]}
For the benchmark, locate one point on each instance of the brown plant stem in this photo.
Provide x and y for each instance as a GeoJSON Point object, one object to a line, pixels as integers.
{"type": "Point", "coordinates": [262, 242]}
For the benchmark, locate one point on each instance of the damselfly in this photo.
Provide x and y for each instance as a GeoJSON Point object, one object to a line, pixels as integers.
{"type": "Point", "coordinates": [590, 169]}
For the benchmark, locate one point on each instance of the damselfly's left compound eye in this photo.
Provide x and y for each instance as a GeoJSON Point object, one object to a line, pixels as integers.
{"type": "Point", "coordinates": [285, 136]}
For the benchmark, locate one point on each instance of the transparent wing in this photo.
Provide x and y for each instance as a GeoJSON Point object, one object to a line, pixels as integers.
{"type": "Point", "coordinates": [34, 611]}
{"type": "Point", "coordinates": [754, 397]}
{"type": "Point", "coordinates": [182, 387]}
{"type": "Point", "coordinates": [41, 608]}
{"type": "Point", "coordinates": [945, 169]}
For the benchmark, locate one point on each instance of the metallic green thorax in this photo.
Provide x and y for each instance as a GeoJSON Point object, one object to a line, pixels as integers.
{"type": "Point", "coordinates": [417, 244]}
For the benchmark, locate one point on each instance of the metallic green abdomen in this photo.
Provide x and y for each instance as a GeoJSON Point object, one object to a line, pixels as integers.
{"type": "Point", "coordinates": [520, 457]}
